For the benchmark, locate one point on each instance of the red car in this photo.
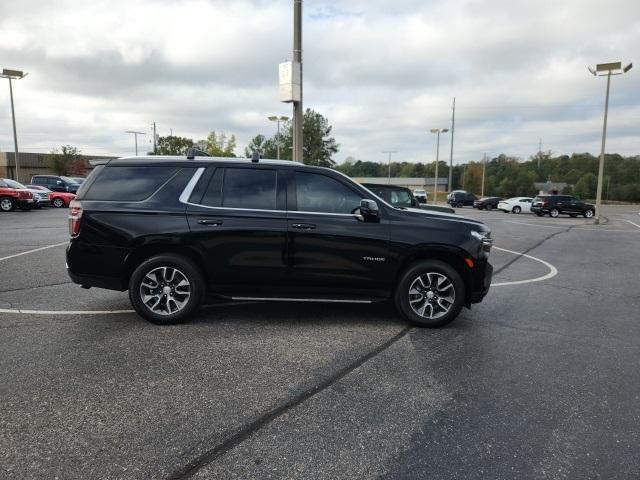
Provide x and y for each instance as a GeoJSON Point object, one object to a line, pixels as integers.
{"type": "Point", "coordinates": [10, 198]}
{"type": "Point", "coordinates": [57, 199]}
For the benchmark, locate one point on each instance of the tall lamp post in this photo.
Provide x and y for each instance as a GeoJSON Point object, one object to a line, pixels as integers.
{"type": "Point", "coordinates": [14, 75]}
{"type": "Point", "coordinates": [135, 136]}
{"type": "Point", "coordinates": [275, 118]}
{"type": "Point", "coordinates": [435, 181]}
{"type": "Point", "coordinates": [605, 69]}
{"type": "Point", "coordinates": [389, 164]}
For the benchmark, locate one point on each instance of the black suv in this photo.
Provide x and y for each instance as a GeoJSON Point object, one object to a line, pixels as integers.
{"type": "Point", "coordinates": [170, 229]}
{"type": "Point", "coordinates": [555, 205]}
{"type": "Point", "coordinates": [56, 183]}
{"type": "Point", "coordinates": [487, 203]}
{"type": "Point", "coordinates": [461, 199]}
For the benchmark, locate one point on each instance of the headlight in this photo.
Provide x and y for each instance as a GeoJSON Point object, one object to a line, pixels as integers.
{"type": "Point", "coordinates": [484, 238]}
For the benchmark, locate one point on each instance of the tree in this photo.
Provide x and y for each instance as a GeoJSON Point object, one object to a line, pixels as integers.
{"type": "Point", "coordinates": [586, 186]}
{"type": "Point", "coordinates": [217, 145]}
{"type": "Point", "coordinates": [318, 144]}
{"type": "Point", "coordinates": [62, 161]}
{"type": "Point", "coordinates": [265, 147]}
{"type": "Point", "coordinates": [173, 145]}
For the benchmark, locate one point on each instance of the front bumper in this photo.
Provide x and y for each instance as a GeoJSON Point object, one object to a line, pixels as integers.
{"type": "Point", "coordinates": [481, 282]}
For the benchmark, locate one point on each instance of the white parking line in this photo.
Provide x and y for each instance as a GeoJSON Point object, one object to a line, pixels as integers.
{"type": "Point", "coordinates": [629, 221]}
{"type": "Point", "coordinates": [32, 251]}
{"type": "Point", "coordinates": [553, 271]}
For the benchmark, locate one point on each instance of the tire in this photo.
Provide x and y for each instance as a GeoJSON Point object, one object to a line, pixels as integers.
{"type": "Point", "coordinates": [489, 207]}
{"type": "Point", "coordinates": [419, 279]}
{"type": "Point", "coordinates": [588, 213]}
{"type": "Point", "coordinates": [516, 209]}
{"type": "Point", "coordinates": [7, 204]}
{"type": "Point", "coordinates": [554, 212]}
{"type": "Point", "coordinates": [169, 271]}
{"type": "Point", "coordinates": [459, 205]}
{"type": "Point", "coordinates": [58, 202]}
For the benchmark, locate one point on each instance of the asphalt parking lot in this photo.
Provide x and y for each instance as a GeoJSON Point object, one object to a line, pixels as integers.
{"type": "Point", "coordinates": [541, 380]}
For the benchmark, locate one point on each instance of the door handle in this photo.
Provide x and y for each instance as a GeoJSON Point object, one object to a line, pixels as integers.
{"type": "Point", "coordinates": [303, 226]}
{"type": "Point", "coordinates": [210, 223]}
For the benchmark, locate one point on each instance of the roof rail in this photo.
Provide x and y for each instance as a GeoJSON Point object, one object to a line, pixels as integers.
{"type": "Point", "coordinates": [194, 152]}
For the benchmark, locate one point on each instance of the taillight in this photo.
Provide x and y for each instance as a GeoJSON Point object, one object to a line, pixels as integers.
{"type": "Point", "coordinates": [75, 217]}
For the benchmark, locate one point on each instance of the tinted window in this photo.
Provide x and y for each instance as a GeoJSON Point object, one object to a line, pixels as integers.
{"type": "Point", "coordinates": [128, 184]}
{"type": "Point", "coordinates": [249, 188]}
{"type": "Point", "coordinates": [400, 198]}
{"type": "Point", "coordinates": [213, 194]}
{"type": "Point", "coordinates": [319, 193]}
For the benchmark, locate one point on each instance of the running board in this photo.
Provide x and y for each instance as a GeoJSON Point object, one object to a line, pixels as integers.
{"type": "Point", "coordinates": [276, 299]}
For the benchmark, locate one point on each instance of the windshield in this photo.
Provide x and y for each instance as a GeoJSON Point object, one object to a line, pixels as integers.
{"type": "Point", "coordinates": [13, 183]}
{"type": "Point", "coordinates": [68, 179]}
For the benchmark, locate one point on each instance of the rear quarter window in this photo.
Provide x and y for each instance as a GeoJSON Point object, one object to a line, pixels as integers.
{"type": "Point", "coordinates": [126, 184]}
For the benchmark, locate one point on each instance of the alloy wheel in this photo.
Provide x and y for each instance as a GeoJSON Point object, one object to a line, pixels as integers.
{"type": "Point", "coordinates": [58, 203]}
{"type": "Point", "coordinates": [431, 295]}
{"type": "Point", "coordinates": [588, 214]}
{"type": "Point", "coordinates": [6, 204]}
{"type": "Point", "coordinates": [165, 290]}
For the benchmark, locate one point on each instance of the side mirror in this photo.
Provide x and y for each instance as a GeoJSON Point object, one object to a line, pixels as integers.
{"type": "Point", "coordinates": [369, 211]}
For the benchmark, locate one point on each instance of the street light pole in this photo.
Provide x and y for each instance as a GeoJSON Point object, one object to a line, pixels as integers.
{"type": "Point", "coordinates": [389, 164]}
{"type": "Point", "coordinates": [484, 167]}
{"type": "Point", "coordinates": [608, 69]}
{"type": "Point", "coordinates": [275, 118]}
{"type": "Point", "coordinates": [453, 126]}
{"type": "Point", "coordinates": [135, 136]}
{"type": "Point", "coordinates": [298, 111]}
{"type": "Point", "coordinates": [14, 75]}
{"type": "Point", "coordinates": [438, 131]}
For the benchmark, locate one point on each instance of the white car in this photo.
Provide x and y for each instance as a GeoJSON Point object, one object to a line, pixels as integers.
{"type": "Point", "coordinates": [516, 205]}
{"type": "Point", "coordinates": [421, 195]}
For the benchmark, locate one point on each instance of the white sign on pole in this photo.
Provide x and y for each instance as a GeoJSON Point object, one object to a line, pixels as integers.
{"type": "Point", "coordinates": [289, 78]}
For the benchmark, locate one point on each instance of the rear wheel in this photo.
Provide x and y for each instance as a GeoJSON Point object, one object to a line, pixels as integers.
{"type": "Point", "coordinates": [7, 204]}
{"type": "Point", "coordinates": [516, 209]}
{"type": "Point", "coordinates": [554, 212]}
{"type": "Point", "coordinates": [166, 289]}
{"type": "Point", "coordinates": [430, 293]}
{"type": "Point", "coordinates": [58, 202]}
{"type": "Point", "coordinates": [588, 213]}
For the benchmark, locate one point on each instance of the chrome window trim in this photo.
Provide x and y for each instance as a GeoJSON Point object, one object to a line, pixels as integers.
{"type": "Point", "coordinates": [188, 190]}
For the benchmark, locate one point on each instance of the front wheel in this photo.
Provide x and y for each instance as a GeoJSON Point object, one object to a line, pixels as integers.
{"type": "Point", "coordinates": [430, 293]}
{"type": "Point", "coordinates": [554, 212]}
{"type": "Point", "coordinates": [58, 202]}
{"type": "Point", "coordinates": [7, 204]}
{"type": "Point", "coordinates": [166, 289]}
{"type": "Point", "coordinates": [516, 209]}
{"type": "Point", "coordinates": [589, 213]}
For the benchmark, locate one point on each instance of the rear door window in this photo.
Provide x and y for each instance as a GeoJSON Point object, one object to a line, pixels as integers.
{"type": "Point", "coordinates": [128, 184]}
{"type": "Point", "coordinates": [250, 188]}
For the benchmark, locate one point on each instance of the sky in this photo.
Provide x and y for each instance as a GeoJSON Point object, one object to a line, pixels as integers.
{"type": "Point", "coordinates": [383, 72]}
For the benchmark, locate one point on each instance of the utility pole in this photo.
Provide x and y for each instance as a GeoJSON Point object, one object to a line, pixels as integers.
{"type": "Point", "coordinates": [298, 112]}
{"type": "Point", "coordinates": [14, 75]}
{"type": "Point", "coordinates": [539, 152]}
{"type": "Point", "coordinates": [435, 180]}
{"type": "Point", "coordinates": [484, 167]}
{"type": "Point", "coordinates": [389, 163]}
{"type": "Point", "coordinates": [135, 136]}
{"type": "Point", "coordinates": [608, 69]}
{"type": "Point", "coordinates": [154, 138]}
{"type": "Point", "coordinates": [453, 126]}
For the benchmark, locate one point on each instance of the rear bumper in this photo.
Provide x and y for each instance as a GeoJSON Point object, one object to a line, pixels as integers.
{"type": "Point", "coordinates": [83, 261]}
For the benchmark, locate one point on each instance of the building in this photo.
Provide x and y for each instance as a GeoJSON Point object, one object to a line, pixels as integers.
{"type": "Point", "coordinates": [412, 183]}
{"type": "Point", "coordinates": [35, 164]}
{"type": "Point", "coordinates": [549, 187]}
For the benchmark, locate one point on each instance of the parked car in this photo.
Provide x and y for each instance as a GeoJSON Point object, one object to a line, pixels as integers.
{"type": "Point", "coordinates": [175, 228]}
{"type": "Point", "coordinates": [40, 198]}
{"type": "Point", "coordinates": [461, 199]}
{"type": "Point", "coordinates": [56, 199]}
{"type": "Point", "coordinates": [421, 195]}
{"type": "Point", "coordinates": [11, 197]}
{"type": "Point", "coordinates": [487, 203]}
{"type": "Point", "coordinates": [402, 197]}
{"type": "Point", "coordinates": [556, 205]}
{"type": "Point", "coordinates": [516, 205]}
{"type": "Point", "coordinates": [56, 183]}
{"type": "Point", "coordinates": [453, 192]}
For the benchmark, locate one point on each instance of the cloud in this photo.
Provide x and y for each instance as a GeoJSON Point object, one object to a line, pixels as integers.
{"type": "Point", "coordinates": [382, 76]}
